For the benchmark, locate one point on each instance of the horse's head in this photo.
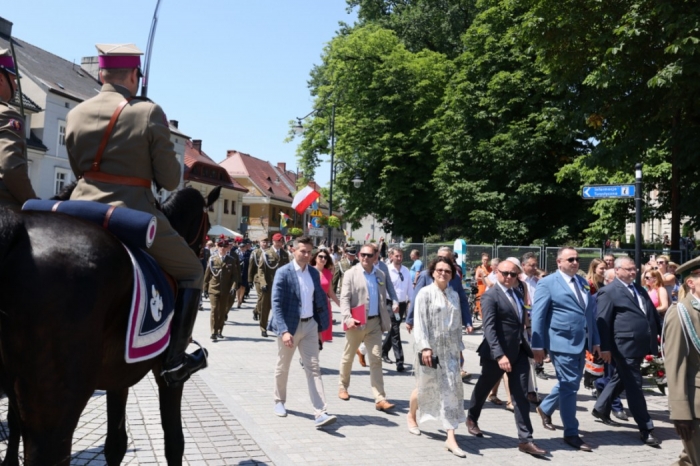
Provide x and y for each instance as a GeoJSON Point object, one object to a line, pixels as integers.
{"type": "Point", "coordinates": [187, 212]}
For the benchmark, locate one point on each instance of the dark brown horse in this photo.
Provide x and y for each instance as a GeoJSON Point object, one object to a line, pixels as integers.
{"type": "Point", "coordinates": [65, 292]}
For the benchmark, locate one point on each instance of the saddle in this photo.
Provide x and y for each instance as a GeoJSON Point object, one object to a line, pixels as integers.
{"type": "Point", "coordinates": [153, 291]}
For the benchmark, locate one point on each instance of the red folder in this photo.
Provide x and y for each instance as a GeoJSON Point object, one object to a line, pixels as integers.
{"type": "Point", "coordinates": [359, 314]}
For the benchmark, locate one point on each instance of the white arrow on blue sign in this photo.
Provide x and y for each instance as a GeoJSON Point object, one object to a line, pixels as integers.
{"type": "Point", "coordinates": [608, 191]}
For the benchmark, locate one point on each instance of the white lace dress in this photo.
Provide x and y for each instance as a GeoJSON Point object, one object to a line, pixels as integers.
{"type": "Point", "coordinates": [438, 326]}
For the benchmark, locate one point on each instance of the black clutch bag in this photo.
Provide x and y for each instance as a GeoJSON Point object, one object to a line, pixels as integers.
{"type": "Point", "coordinates": [434, 360]}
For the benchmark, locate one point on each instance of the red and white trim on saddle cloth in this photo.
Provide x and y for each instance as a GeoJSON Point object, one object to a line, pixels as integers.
{"type": "Point", "coordinates": [144, 340]}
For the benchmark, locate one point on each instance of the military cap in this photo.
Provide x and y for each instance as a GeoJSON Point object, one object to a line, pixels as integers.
{"type": "Point", "coordinates": [692, 267]}
{"type": "Point", "coordinates": [221, 243]}
{"type": "Point", "coordinates": [351, 250]}
{"type": "Point", "coordinates": [7, 63]}
{"type": "Point", "coordinates": [119, 56]}
{"type": "Point", "coordinates": [277, 237]}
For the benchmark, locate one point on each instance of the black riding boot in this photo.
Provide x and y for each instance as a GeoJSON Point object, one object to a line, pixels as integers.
{"type": "Point", "coordinates": [179, 365]}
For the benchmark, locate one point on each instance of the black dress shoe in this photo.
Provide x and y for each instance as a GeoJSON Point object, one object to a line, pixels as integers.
{"type": "Point", "coordinates": [473, 428]}
{"type": "Point", "coordinates": [649, 439]}
{"type": "Point", "coordinates": [399, 367]}
{"type": "Point", "coordinates": [214, 336]}
{"type": "Point", "coordinates": [546, 420]}
{"type": "Point", "coordinates": [531, 449]}
{"type": "Point", "coordinates": [255, 316]}
{"type": "Point", "coordinates": [604, 419]}
{"type": "Point", "coordinates": [387, 360]}
{"type": "Point", "coordinates": [621, 415]}
{"type": "Point", "coordinates": [263, 333]}
{"type": "Point", "coordinates": [577, 443]}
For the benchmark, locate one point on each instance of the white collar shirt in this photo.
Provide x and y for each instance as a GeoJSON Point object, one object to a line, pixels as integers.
{"type": "Point", "coordinates": [635, 294]}
{"type": "Point", "coordinates": [531, 283]}
{"type": "Point", "coordinates": [401, 279]}
{"type": "Point", "coordinates": [306, 288]}
{"type": "Point", "coordinates": [513, 300]}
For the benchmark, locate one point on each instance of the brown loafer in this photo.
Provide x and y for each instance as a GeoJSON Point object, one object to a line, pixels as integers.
{"type": "Point", "coordinates": [531, 449]}
{"type": "Point", "coordinates": [384, 406]}
{"type": "Point", "coordinates": [361, 358]}
{"type": "Point", "coordinates": [343, 395]}
{"type": "Point", "coordinates": [576, 442]}
{"type": "Point", "coordinates": [473, 428]}
{"type": "Point", "coordinates": [546, 420]}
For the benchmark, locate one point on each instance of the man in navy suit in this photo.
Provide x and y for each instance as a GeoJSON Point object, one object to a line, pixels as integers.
{"type": "Point", "coordinates": [563, 321]}
{"type": "Point", "coordinates": [629, 326]}
{"type": "Point", "coordinates": [299, 315]}
{"type": "Point", "coordinates": [505, 349]}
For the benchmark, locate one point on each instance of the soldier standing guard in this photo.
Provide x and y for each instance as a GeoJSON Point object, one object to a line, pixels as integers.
{"type": "Point", "coordinates": [263, 266]}
{"type": "Point", "coordinates": [15, 187]}
{"type": "Point", "coordinates": [220, 281]}
{"type": "Point", "coordinates": [118, 144]}
{"type": "Point", "coordinates": [681, 343]}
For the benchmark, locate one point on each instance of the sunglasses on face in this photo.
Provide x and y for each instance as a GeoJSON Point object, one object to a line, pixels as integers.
{"type": "Point", "coordinates": [322, 257]}
{"type": "Point", "coordinates": [508, 274]}
{"type": "Point", "coordinates": [445, 271]}
{"type": "Point", "coordinates": [571, 260]}
{"type": "Point", "coordinates": [366, 255]}
{"type": "Point", "coordinates": [648, 278]}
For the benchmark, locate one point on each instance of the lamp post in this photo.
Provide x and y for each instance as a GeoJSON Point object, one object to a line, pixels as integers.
{"type": "Point", "coordinates": [356, 181]}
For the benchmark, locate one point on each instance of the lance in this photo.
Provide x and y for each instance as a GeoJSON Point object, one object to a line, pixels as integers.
{"type": "Point", "coordinates": [149, 52]}
{"type": "Point", "coordinates": [20, 96]}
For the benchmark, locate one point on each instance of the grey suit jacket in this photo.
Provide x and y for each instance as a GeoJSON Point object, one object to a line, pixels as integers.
{"type": "Point", "coordinates": [286, 301]}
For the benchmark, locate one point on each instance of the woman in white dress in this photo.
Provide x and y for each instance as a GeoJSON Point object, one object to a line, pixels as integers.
{"type": "Point", "coordinates": [438, 332]}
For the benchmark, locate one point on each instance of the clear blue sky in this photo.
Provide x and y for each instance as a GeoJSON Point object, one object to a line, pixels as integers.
{"type": "Point", "coordinates": [232, 72]}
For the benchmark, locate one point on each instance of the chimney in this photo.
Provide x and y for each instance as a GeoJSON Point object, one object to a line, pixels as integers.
{"type": "Point", "coordinates": [5, 27]}
{"type": "Point", "coordinates": [197, 144]}
{"type": "Point", "coordinates": [174, 123]}
{"type": "Point", "coordinates": [91, 66]}
{"type": "Point", "coordinates": [282, 166]}
{"type": "Point", "coordinates": [231, 153]}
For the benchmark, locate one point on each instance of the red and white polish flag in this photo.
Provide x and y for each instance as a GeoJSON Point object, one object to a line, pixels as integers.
{"type": "Point", "coordinates": [304, 198]}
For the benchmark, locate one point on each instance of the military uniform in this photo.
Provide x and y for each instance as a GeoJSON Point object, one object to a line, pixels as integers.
{"type": "Point", "coordinates": [263, 265]}
{"type": "Point", "coordinates": [341, 267]}
{"type": "Point", "coordinates": [118, 167]}
{"type": "Point", "coordinates": [15, 187]}
{"type": "Point", "coordinates": [220, 278]}
{"type": "Point", "coordinates": [682, 363]}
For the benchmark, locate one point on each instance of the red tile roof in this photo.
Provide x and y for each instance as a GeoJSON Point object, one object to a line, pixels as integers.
{"type": "Point", "coordinates": [199, 167]}
{"type": "Point", "coordinates": [262, 173]}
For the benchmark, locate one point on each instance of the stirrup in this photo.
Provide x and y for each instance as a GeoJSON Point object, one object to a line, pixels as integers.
{"type": "Point", "coordinates": [203, 351]}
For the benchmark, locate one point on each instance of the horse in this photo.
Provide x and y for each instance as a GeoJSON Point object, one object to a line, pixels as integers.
{"type": "Point", "coordinates": [65, 293]}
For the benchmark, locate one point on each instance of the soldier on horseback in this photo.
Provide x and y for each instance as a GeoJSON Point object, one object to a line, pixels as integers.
{"type": "Point", "coordinates": [15, 187]}
{"type": "Point", "coordinates": [118, 144]}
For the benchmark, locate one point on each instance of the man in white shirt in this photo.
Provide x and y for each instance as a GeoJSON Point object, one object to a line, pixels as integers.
{"type": "Point", "coordinates": [299, 315]}
{"type": "Point", "coordinates": [400, 277]}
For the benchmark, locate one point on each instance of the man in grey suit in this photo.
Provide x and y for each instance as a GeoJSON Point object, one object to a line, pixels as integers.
{"type": "Point", "coordinates": [299, 314]}
{"type": "Point", "coordinates": [629, 326]}
{"type": "Point", "coordinates": [563, 321]}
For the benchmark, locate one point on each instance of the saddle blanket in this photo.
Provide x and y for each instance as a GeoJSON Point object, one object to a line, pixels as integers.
{"type": "Point", "coordinates": [152, 306]}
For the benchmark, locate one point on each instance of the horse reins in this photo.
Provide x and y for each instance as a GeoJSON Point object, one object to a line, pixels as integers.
{"type": "Point", "coordinates": [200, 230]}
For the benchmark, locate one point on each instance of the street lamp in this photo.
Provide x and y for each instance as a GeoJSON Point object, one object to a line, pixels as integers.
{"type": "Point", "coordinates": [356, 180]}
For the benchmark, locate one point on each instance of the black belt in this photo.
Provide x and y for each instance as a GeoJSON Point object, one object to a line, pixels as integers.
{"type": "Point", "coordinates": [372, 317]}
{"type": "Point", "coordinates": [306, 319]}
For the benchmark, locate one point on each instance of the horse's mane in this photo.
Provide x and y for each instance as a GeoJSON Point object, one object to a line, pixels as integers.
{"type": "Point", "coordinates": [185, 200]}
{"type": "Point", "coordinates": [10, 228]}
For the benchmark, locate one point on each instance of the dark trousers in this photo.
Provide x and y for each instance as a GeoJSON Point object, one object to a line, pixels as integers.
{"type": "Point", "coordinates": [601, 382]}
{"type": "Point", "coordinates": [393, 338]}
{"type": "Point", "coordinates": [517, 382]}
{"type": "Point", "coordinates": [628, 377]}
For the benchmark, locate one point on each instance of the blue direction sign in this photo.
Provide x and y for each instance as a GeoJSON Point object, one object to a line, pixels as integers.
{"type": "Point", "coordinates": [608, 191]}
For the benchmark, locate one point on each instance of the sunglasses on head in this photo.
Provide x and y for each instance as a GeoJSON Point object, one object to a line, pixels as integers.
{"type": "Point", "coordinates": [571, 260]}
{"type": "Point", "coordinates": [508, 274]}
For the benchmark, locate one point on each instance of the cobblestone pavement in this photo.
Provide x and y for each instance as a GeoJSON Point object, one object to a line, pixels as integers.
{"type": "Point", "coordinates": [228, 418]}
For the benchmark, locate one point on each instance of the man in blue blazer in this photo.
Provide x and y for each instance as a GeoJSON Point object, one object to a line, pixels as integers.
{"type": "Point", "coordinates": [563, 322]}
{"type": "Point", "coordinates": [299, 314]}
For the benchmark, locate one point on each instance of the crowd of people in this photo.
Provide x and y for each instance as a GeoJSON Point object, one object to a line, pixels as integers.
{"type": "Point", "coordinates": [528, 316]}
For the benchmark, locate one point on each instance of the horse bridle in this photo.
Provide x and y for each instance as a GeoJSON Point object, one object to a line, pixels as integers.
{"type": "Point", "coordinates": [200, 230]}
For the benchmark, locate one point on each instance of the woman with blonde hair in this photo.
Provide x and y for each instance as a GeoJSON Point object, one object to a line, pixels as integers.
{"type": "Point", "coordinates": [595, 276]}
{"type": "Point", "coordinates": [653, 283]}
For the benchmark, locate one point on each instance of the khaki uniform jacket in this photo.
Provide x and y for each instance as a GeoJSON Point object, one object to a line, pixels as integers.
{"type": "Point", "coordinates": [355, 293]}
{"type": "Point", "coordinates": [15, 187]}
{"type": "Point", "coordinates": [682, 363]}
{"type": "Point", "coordinates": [222, 274]}
{"type": "Point", "coordinates": [264, 273]}
{"type": "Point", "coordinates": [139, 146]}
{"type": "Point", "coordinates": [340, 268]}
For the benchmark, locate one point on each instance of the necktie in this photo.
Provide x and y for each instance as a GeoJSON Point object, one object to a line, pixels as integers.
{"type": "Point", "coordinates": [511, 295]}
{"type": "Point", "coordinates": [636, 296]}
{"type": "Point", "coordinates": [579, 296]}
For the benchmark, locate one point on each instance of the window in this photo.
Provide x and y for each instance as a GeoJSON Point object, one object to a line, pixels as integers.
{"type": "Point", "coordinates": [61, 132]}
{"type": "Point", "coordinates": [225, 206]}
{"type": "Point", "coordinates": [233, 207]}
{"type": "Point", "coordinates": [61, 179]}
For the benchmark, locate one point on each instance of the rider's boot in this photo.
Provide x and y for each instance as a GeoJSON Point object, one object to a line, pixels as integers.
{"type": "Point", "coordinates": [178, 365]}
